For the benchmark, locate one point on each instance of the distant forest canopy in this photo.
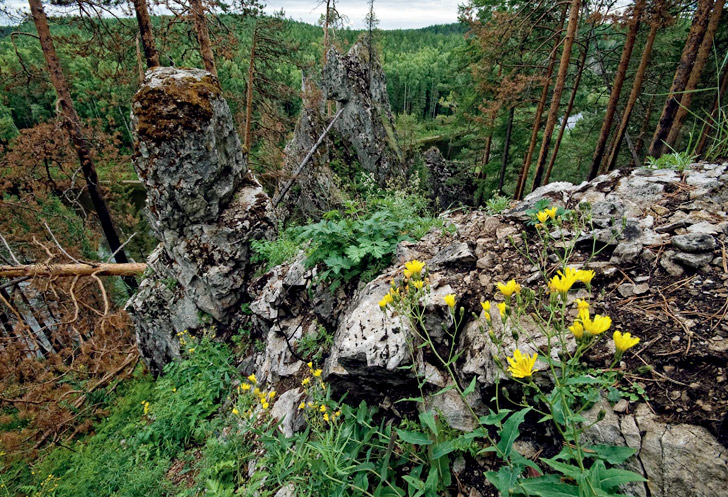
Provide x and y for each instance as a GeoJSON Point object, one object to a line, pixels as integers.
{"type": "Point", "coordinates": [492, 91]}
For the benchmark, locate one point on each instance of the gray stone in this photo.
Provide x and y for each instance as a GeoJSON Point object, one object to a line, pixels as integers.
{"type": "Point", "coordinates": [693, 260]}
{"type": "Point", "coordinates": [626, 253]}
{"type": "Point", "coordinates": [667, 261]}
{"type": "Point", "coordinates": [286, 411]}
{"type": "Point", "coordinates": [694, 242]}
{"type": "Point", "coordinates": [455, 253]}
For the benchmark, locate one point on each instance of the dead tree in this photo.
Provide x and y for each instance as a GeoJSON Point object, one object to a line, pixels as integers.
{"type": "Point", "coordinates": [72, 124]}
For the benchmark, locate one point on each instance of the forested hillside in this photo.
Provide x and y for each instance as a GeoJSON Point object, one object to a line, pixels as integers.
{"type": "Point", "coordinates": [246, 255]}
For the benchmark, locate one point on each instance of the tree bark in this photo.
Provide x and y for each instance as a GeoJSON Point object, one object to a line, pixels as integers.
{"type": "Point", "coordinates": [60, 270]}
{"type": "Point", "coordinates": [506, 148]}
{"type": "Point", "coordinates": [203, 36]}
{"type": "Point", "coordinates": [682, 73]}
{"type": "Point", "coordinates": [643, 129]}
{"type": "Point", "coordinates": [539, 112]}
{"type": "Point", "coordinates": [72, 123]}
{"type": "Point", "coordinates": [146, 32]}
{"type": "Point", "coordinates": [558, 90]}
{"type": "Point", "coordinates": [249, 96]}
{"type": "Point", "coordinates": [703, 53]}
{"type": "Point", "coordinates": [709, 125]}
{"type": "Point", "coordinates": [567, 114]}
{"type": "Point", "coordinates": [619, 78]}
{"type": "Point", "coordinates": [636, 85]}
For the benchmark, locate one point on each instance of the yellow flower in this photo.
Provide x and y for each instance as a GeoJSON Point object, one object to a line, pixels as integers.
{"type": "Point", "coordinates": [509, 288]}
{"type": "Point", "coordinates": [252, 379]}
{"type": "Point", "coordinates": [271, 394]}
{"type": "Point", "coordinates": [551, 212]}
{"type": "Point", "coordinates": [322, 408]}
{"type": "Point", "coordinates": [317, 373]}
{"type": "Point", "coordinates": [310, 365]}
{"type": "Point", "coordinates": [542, 217]}
{"type": "Point", "coordinates": [585, 276]}
{"type": "Point", "coordinates": [326, 417]}
{"type": "Point", "coordinates": [337, 413]}
{"type": "Point", "coordinates": [624, 341]}
{"type": "Point", "coordinates": [256, 391]}
{"type": "Point", "coordinates": [595, 326]}
{"type": "Point", "coordinates": [191, 350]}
{"type": "Point", "coordinates": [245, 386]}
{"type": "Point", "coordinates": [563, 282]}
{"type": "Point", "coordinates": [502, 308]}
{"type": "Point", "coordinates": [415, 267]}
{"type": "Point", "coordinates": [302, 405]}
{"type": "Point", "coordinates": [235, 411]}
{"type": "Point", "coordinates": [382, 304]}
{"type": "Point", "coordinates": [577, 329]}
{"type": "Point", "coordinates": [450, 300]}
{"type": "Point", "coordinates": [265, 405]}
{"type": "Point", "coordinates": [418, 284]}
{"type": "Point", "coordinates": [581, 304]}
{"type": "Point", "coordinates": [407, 274]}
{"type": "Point", "coordinates": [521, 366]}
{"type": "Point", "coordinates": [174, 390]}
{"type": "Point", "coordinates": [306, 381]}
{"type": "Point", "coordinates": [486, 309]}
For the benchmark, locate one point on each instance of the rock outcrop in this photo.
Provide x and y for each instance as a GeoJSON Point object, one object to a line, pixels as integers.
{"type": "Point", "coordinates": [660, 267]}
{"type": "Point", "coordinates": [202, 204]}
{"type": "Point", "coordinates": [449, 183]}
{"type": "Point", "coordinates": [363, 138]}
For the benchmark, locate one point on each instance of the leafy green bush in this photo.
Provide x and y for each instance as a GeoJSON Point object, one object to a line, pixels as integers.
{"type": "Point", "coordinates": [282, 249]}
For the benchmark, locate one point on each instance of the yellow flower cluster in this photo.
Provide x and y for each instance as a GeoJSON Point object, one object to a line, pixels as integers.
{"type": "Point", "coordinates": [186, 340]}
{"type": "Point", "coordinates": [450, 300]}
{"type": "Point", "coordinates": [313, 387]}
{"type": "Point", "coordinates": [413, 275]}
{"type": "Point", "coordinates": [564, 280]}
{"type": "Point", "coordinates": [145, 405]}
{"type": "Point", "coordinates": [47, 486]}
{"type": "Point", "coordinates": [546, 214]}
{"type": "Point", "coordinates": [264, 397]}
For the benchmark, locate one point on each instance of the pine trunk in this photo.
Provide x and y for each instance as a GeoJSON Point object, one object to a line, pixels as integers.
{"type": "Point", "coordinates": [619, 78]}
{"type": "Point", "coordinates": [680, 80]}
{"type": "Point", "coordinates": [203, 36]}
{"type": "Point", "coordinates": [506, 148]}
{"type": "Point", "coordinates": [146, 33]}
{"type": "Point", "coordinates": [249, 95]}
{"type": "Point", "coordinates": [539, 112]}
{"type": "Point", "coordinates": [703, 52]}
{"type": "Point", "coordinates": [643, 130]}
{"type": "Point", "coordinates": [72, 124]}
{"type": "Point", "coordinates": [558, 90]}
{"type": "Point", "coordinates": [636, 85]}
{"type": "Point", "coordinates": [567, 114]}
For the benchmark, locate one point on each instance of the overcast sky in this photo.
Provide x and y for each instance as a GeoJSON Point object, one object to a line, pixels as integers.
{"type": "Point", "coordinates": [392, 14]}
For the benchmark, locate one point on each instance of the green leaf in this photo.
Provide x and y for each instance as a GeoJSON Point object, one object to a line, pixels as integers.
{"type": "Point", "coordinates": [510, 431]}
{"type": "Point", "coordinates": [471, 387]}
{"type": "Point", "coordinates": [410, 399]}
{"type": "Point", "coordinates": [583, 380]}
{"type": "Point", "coordinates": [414, 437]}
{"type": "Point", "coordinates": [610, 478]}
{"type": "Point", "coordinates": [444, 448]}
{"type": "Point", "coordinates": [504, 479]}
{"type": "Point", "coordinates": [428, 419]}
{"type": "Point", "coordinates": [548, 486]}
{"type": "Point", "coordinates": [494, 418]}
{"type": "Point", "coordinates": [443, 390]}
{"type": "Point", "coordinates": [610, 453]}
{"type": "Point", "coordinates": [566, 469]}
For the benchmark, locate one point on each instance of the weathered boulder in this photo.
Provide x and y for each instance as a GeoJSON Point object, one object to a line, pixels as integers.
{"type": "Point", "coordinates": [201, 205]}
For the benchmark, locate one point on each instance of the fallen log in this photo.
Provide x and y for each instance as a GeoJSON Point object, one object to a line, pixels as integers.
{"type": "Point", "coordinates": [61, 270]}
